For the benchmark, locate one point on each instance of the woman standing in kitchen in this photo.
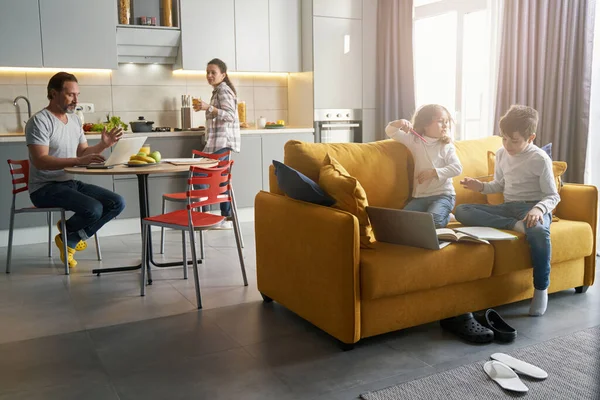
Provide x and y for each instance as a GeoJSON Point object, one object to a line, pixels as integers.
{"type": "Point", "coordinates": [222, 121]}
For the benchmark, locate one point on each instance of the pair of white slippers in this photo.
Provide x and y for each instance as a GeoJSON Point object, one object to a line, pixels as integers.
{"type": "Point", "coordinates": [504, 368]}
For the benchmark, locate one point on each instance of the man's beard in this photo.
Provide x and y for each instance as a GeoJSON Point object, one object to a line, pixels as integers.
{"type": "Point", "coordinates": [70, 109]}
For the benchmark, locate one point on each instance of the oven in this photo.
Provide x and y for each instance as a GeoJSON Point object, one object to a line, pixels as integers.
{"type": "Point", "coordinates": [338, 126]}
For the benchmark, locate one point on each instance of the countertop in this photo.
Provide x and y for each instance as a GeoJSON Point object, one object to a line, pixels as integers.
{"type": "Point", "coordinates": [20, 137]}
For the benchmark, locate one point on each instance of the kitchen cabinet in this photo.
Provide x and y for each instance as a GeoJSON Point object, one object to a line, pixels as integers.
{"type": "Point", "coordinates": [246, 175]}
{"type": "Point", "coordinates": [86, 38]}
{"type": "Point", "coordinates": [252, 35]}
{"type": "Point", "coordinates": [338, 8]}
{"type": "Point", "coordinates": [272, 149]}
{"type": "Point", "coordinates": [20, 36]}
{"type": "Point", "coordinates": [207, 32]}
{"type": "Point", "coordinates": [337, 60]}
{"type": "Point", "coordinates": [284, 35]}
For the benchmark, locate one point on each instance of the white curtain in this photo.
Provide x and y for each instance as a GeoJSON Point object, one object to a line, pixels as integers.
{"type": "Point", "coordinates": [592, 165]}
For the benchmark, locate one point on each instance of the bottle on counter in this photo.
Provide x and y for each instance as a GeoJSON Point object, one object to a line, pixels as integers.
{"type": "Point", "coordinates": [242, 111]}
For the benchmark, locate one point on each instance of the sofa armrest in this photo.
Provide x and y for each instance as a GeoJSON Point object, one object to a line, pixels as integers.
{"type": "Point", "coordinates": [580, 203]}
{"type": "Point", "coordinates": [307, 259]}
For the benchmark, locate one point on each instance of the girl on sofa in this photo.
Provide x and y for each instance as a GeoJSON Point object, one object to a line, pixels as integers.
{"type": "Point", "coordinates": [434, 155]}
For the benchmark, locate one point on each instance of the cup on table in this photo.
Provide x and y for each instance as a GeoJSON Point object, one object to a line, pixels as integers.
{"type": "Point", "coordinates": [145, 149]}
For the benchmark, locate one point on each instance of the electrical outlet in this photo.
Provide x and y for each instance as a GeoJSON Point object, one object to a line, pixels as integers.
{"type": "Point", "coordinates": [86, 107]}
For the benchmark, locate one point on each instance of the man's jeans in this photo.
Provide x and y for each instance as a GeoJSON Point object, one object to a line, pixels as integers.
{"type": "Point", "coordinates": [93, 206]}
{"type": "Point", "coordinates": [439, 206]}
{"type": "Point", "coordinates": [225, 206]}
{"type": "Point", "coordinates": [505, 216]}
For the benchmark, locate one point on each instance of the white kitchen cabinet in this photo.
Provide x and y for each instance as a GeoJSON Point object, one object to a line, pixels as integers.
{"type": "Point", "coordinates": [20, 37]}
{"type": "Point", "coordinates": [337, 62]}
{"type": "Point", "coordinates": [207, 32]}
{"type": "Point", "coordinates": [369, 37]}
{"type": "Point", "coordinates": [272, 149]}
{"type": "Point", "coordinates": [338, 8]}
{"type": "Point", "coordinates": [284, 35]}
{"type": "Point", "coordinates": [252, 35]}
{"type": "Point", "coordinates": [246, 175]}
{"type": "Point", "coordinates": [79, 33]}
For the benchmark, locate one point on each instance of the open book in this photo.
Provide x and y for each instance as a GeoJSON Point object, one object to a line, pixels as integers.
{"type": "Point", "coordinates": [486, 233]}
{"type": "Point", "coordinates": [449, 235]}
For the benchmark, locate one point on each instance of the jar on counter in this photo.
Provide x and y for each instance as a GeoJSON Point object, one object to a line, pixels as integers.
{"type": "Point", "coordinates": [124, 12]}
{"type": "Point", "coordinates": [242, 111]}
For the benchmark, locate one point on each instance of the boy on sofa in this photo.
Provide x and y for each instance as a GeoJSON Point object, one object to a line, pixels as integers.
{"type": "Point", "coordinates": [524, 174]}
{"type": "Point", "coordinates": [435, 160]}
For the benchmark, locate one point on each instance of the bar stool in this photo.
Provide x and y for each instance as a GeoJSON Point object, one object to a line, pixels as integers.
{"type": "Point", "coordinates": [19, 171]}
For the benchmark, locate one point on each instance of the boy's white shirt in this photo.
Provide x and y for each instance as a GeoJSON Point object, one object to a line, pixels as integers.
{"type": "Point", "coordinates": [527, 176]}
{"type": "Point", "coordinates": [433, 154]}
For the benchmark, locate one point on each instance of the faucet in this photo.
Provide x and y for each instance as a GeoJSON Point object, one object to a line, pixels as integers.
{"type": "Point", "coordinates": [28, 104]}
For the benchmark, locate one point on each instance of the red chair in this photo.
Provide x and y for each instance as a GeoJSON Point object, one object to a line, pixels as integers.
{"type": "Point", "coordinates": [181, 198]}
{"type": "Point", "coordinates": [19, 171]}
{"type": "Point", "coordinates": [190, 220]}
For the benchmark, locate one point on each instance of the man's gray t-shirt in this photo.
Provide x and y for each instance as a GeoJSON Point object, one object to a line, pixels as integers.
{"type": "Point", "coordinates": [45, 129]}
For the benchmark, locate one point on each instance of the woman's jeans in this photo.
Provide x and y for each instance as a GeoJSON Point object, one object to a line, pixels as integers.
{"type": "Point", "coordinates": [225, 206]}
{"type": "Point", "coordinates": [505, 216]}
{"type": "Point", "coordinates": [93, 206]}
{"type": "Point", "coordinates": [439, 206]}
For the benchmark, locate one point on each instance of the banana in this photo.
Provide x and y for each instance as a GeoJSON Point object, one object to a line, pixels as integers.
{"type": "Point", "coordinates": [147, 159]}
{"type": "Point", "coordinates": [135, 162]}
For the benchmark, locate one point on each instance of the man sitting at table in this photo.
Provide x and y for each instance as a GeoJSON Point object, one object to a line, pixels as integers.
{"type": "Point", "coordinates": [56, 140]}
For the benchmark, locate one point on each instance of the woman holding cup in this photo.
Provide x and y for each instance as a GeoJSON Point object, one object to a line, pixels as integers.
{"type": "Point", "coordinates": [222, 120]}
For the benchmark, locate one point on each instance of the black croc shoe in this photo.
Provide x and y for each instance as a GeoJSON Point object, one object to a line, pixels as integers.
{"type": "Point", "coordinates": [466, 327]}
{"type": "Point", "coordinates": [503, 332]}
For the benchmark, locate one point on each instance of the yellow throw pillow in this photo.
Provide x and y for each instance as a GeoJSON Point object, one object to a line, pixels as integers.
{"type": "Point", "coordinates": [558, 169]}
{"type": "Point", "coordinates": [349, 195]}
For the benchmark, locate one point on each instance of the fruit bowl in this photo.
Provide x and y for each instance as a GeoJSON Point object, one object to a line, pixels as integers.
{"type": "Point", "coordinates": [274, 126]}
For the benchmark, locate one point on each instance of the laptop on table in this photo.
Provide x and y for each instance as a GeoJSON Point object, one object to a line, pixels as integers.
{"type": "Point", "coordinates": [408, 228]}
{"type": "Point", "coordinates": [120, 153]}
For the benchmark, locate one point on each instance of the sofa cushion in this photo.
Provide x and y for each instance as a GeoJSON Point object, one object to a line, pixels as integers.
{"type": "Point", "coordinates": [383, 168]}
{"type": "Point", "coordinates": [473, 157]}
{"type": "Point", "coordinates": [349, 196]}
{"type": "Point", "coordinates": [391, 270]}
{"type": "Point", "coordinates": [571, 240]}
{"type": "Point", "coordinates": [297, 186]}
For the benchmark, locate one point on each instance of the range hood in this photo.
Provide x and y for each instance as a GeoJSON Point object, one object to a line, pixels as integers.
{"type": "Point", "coordinates": [144, 45]}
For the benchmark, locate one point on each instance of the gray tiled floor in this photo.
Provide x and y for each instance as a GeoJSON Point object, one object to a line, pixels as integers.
{"type": "Point", "coordinates": [92, 337]}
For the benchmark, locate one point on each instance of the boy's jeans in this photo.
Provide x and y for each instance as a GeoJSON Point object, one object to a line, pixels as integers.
{"type": "Point", "coordinates": [225, 206]}
{"type": "Point", "coordinates": [93, 205]}
{"type": "Point", "coordinates": [439, 206]}
{"type": "Point", "coordinates": [505, 216]}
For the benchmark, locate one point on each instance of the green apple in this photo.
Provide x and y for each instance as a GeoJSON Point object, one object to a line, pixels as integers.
{"type": "Point", "coordinates": [141, 153]}
{"type": "Point", "coordinates": [156, 155]}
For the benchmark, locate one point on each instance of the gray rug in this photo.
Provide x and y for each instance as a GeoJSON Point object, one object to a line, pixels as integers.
{"type": "Point", "coordinates": [572, 363]}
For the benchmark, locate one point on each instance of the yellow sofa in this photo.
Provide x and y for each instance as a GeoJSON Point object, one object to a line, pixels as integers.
{"type": "Point", "coordinates": [308, 257]}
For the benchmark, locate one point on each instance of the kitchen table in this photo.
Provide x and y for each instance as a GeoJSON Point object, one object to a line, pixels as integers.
{"type": "Point", "coordinates": [142, 173]}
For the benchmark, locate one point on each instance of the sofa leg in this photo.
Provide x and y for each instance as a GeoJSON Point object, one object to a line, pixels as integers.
{"type": "Point", "coordinates": [266, 298]}
{"type": "Point", "coordinates": [346, 346]}
{"type": "Point", "coordinates": [581, 289]}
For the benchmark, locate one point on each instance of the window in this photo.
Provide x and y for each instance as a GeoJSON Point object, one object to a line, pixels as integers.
{"type": "Point", "coordinates": [455, 52]}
